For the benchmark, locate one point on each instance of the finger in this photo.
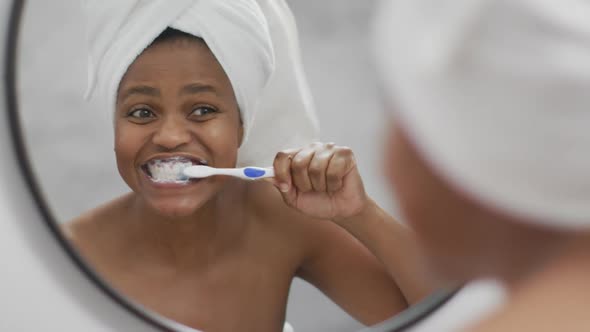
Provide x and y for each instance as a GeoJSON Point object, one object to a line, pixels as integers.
{"type": "Point", "coordinates": [340, 165]}
{"type": "Point", "coordinates": [290, 197]}
{"type": "Point", "coordinates": [273, 181]}
{"type": "Point", "coordinates": [282, 167]}
{"type": "Point", "coordinates": [318, 167]}
{"type": "Point", "coordinates": [299, 167]}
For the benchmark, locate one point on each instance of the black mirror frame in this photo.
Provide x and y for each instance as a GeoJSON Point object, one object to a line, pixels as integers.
{"type": "Point", "coordinates": [406, 319]}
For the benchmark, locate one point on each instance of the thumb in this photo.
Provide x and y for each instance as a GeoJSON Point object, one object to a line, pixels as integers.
{"type": "Point", "coordinates": [289, 194]}
{"type": "Point", "coordinates": [282, 187]}
{"type": "Point", "coordinates": [271, 181]}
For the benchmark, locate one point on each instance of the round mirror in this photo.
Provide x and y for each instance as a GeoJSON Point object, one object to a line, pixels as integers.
{"type": "Point", "coordinates": [205, 275]}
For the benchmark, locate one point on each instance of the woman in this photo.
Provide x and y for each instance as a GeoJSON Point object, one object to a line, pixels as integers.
{"type": "Point", "coordinates": [491, 133]}
{"type": "Point", "coordinates": [219, 254]}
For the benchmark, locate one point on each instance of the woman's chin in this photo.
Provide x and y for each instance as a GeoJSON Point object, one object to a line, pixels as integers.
{"type": "Point", "coordinates": [175, 208]}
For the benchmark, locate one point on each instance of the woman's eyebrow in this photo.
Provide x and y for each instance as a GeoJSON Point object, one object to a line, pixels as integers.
{"type": "Point", "coordinates": [140, 89]}
{"type": "Point", "coordinates": [197, 88]}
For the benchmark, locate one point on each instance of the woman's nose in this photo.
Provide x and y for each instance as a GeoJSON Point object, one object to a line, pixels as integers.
{"type": "Point", "coordinates": [172, 133]}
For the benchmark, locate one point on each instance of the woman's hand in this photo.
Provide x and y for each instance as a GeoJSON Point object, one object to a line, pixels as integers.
{"type": "Point", "coordinates": [321, 180]}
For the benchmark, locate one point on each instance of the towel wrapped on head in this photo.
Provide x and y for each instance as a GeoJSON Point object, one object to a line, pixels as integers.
{"type": "Point", "coordinates": [272, 94]}
{"type": "Point", "coordinates": [494, 93]}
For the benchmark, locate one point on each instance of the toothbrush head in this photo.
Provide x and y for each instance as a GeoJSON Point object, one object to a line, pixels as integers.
{"type": "Point", "coordinates": [198, 171]}
{"type": "Point", "coordinates": [169, 169]}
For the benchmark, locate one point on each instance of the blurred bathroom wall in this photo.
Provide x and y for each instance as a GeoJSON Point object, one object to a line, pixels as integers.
{"type": "Point", "coordinates": [70, 141]}
{"type": "Point", "coordinates": [337, 57]}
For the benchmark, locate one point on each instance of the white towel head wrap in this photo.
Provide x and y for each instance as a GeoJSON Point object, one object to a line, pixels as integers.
{"type": "Point", "coordinates": [238, 35]}
{"type": "Point", "coordinates": [496, 96]}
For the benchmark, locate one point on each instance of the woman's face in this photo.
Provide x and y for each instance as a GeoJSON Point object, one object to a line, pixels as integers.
{"type": "Point", "coordinates": [463, 238]}
{"type": "Point", "coordinates": [175, 106]}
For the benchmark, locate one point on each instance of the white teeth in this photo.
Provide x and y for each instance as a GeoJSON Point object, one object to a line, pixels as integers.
{"type": "Point", "coordinates": [169, 170]}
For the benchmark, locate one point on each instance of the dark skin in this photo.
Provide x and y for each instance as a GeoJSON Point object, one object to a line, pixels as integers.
{"type": "Point", "coordinates": [545, 270]}
{"type": "Point", "coordinates": [220, 254]}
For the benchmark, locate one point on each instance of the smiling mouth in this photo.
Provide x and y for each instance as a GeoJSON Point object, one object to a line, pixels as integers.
{"type": "Point", "coordinates": [169, 170]}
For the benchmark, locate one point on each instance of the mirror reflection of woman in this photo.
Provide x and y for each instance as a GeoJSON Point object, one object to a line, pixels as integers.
{"type": "Point", "coordinates": [491, 132]}
{"type": "Point", "coordinates": [219, 253]}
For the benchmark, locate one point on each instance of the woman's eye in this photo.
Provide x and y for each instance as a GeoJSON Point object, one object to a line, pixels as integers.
{"type": "Point", "coordinates": [203, 111]}
{"type": "Point", "coordinates": [141, 113]}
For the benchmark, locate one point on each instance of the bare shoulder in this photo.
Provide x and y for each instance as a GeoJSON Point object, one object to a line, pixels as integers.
{"type": "Point", "coordinates": [309, 234]}
{"type": "Point", "coordinates": [88, 229]}
{"type": "Point", "coordinates": [268, 203]}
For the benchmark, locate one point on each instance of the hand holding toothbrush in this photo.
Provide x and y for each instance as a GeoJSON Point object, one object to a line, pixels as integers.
{"type": "Point", "coordinates": [320, 180]}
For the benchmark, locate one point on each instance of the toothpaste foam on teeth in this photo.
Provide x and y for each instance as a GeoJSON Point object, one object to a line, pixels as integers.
{"type": "Point", "coordinates": [169, 170]}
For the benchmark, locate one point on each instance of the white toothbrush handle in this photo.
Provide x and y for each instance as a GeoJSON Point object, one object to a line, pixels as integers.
{"type": "Point", "coordinates": [248, 173]}
{"type": "Point", "coordinates": [269, 172]}
{"type": "Point", "coordinates": [254, 173]}
{"type": "Point", "coordinates": [236, 172]}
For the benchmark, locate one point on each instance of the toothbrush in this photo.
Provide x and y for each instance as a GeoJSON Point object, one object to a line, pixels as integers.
{"type": "Point", "coordinates": [247, 173]}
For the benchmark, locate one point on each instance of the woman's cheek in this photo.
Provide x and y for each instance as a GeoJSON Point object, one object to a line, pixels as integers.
{"type": "Point", "coordinates": [126, 148]}
{"type": "Point", "coordinates": [224, 142]}
{"type": "Point", "coordinates": [406, 179]}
